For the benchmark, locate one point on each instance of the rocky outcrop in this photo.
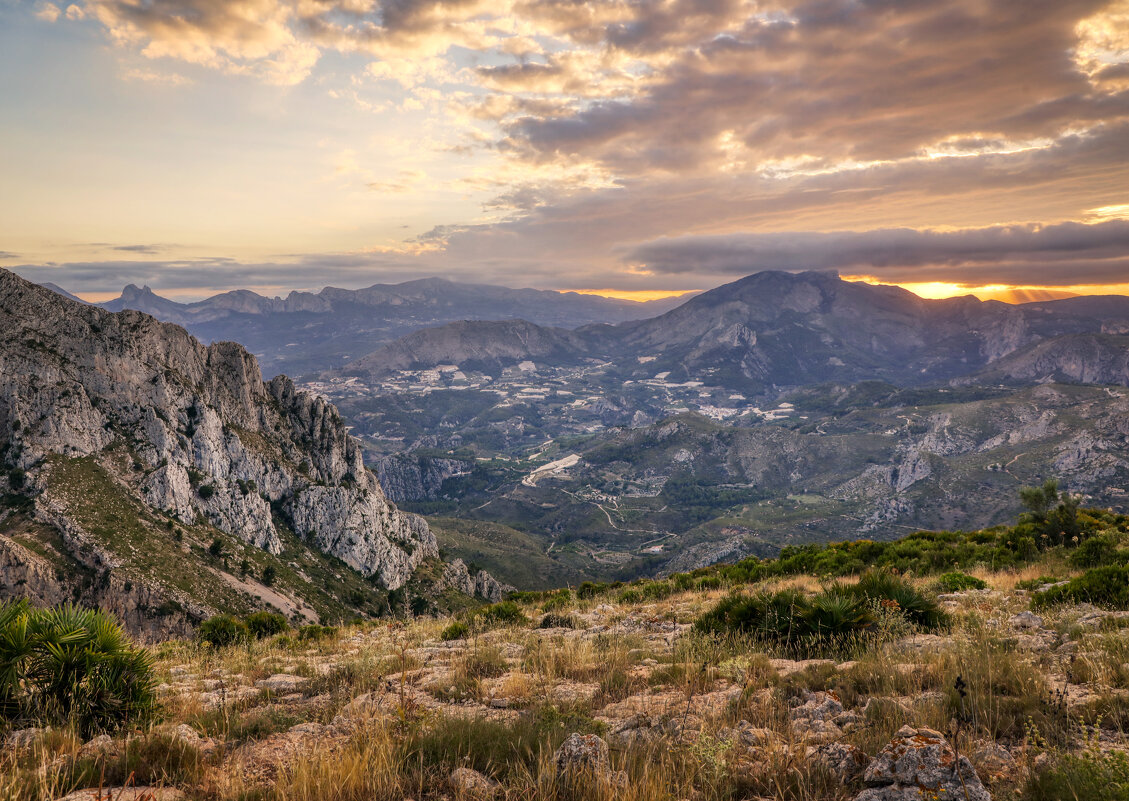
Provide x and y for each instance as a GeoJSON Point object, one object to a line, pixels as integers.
{"type": "Point", "coordinates": [207, 438]}
{"type": "Point", "coordinates": [1093, 358]}
{"type": "Point", "coordinates": [917, 762]}
{"type": "Point", "coordinates": [411, 477]}
{"type": "Point", "coordinates": [482, 585]}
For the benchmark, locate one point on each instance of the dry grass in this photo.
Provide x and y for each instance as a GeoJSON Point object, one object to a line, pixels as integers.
{"type": "Point", "coordinates": [409, 749]}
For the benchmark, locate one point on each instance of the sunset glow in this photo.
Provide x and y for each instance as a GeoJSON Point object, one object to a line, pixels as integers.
{"type": "Point", "coordinates": [1001, 292]}
{"type": "Point", "coordinates": [648, 148]}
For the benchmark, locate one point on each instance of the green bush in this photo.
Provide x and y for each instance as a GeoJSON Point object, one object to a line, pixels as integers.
{"type": "Point", "coordinates": [506, 613]}
{"type": "Point", "coordinates": [314, 632]}
{"type": "Point", "coordinates": [555, 621]}
{"type": "Point", "coordinates": [836, 614]}
{"type": "Point", "coordinates": [266, 624]}
{"type": "Point", "coordinates": [70, 665]}
{"type": "Point", "coordinates": [1035, 583]}
{"type": "Point", "coordinates": [827, 620]}
{"type": "Point", "coordinates": [557, 600]}
{"type": "Point", "coordinates": [959, 582]}
{"type": "Point", "coordinates": [1103, 586]}
{"type": "Point", "coordinates": [883, 585]}
{"type": "Point", "coordinates": [1098, 551]}
{"type": "Point", "coordinates": [1092, 775]}
{"type": "Point", "coordinates": [456, 631]}
{"type": "Point", "coordinates": [223, 630]}
{"type": "Point", "coordinates": [771, 616]}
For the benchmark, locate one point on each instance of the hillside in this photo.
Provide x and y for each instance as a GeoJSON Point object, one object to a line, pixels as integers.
{"type": "Point", "coordinates": [986, 667]}
{"type": "Point", "coordinates": [162, 479]}
{"type": "Point", "coordinates": [838, 461]}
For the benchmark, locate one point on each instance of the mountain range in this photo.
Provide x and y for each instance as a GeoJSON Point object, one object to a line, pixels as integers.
{"type": "Point", "coordinates": [774, 330]}
{"type": "Point", "coordinates": [779, 409]}
{"type": "Point", "coordinates": [164, 480]}
{"type": "Point", "coordinates": [312, 331]}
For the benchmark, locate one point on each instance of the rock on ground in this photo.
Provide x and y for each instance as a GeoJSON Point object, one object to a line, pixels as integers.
{"type": "Point", "coordinates": [470, 785]}
{"type": "Point", "coordinates": [917, 762]}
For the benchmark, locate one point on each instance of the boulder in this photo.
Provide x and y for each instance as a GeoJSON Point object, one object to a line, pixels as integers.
{"type": "Point", "coordinates": [101, 747]}
{"type": "Point", "coordinates": [282, 683]}
{"type": "Point", "coordinates": [581, 755]}
{"type": "Point", "coordinates": [814, 718]}
{"type": "Point", "coordinates": [1026, 620]}
{"type": "Point", "coordinates": [470, 785]}
{"type": "Point", "coordinates": [844, 760]}
{"type": "Point", "coordinates": [918, 762]}
{"type": "Point", "coordinates": [23, 738]}
{"type": "Point", "coordinates": [993, 761]}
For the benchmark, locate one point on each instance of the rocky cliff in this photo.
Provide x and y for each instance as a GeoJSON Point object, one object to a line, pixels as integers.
{"type": "Point", "coordinates": [415, 477]}
{"type": "Point", "coordinates": [184, 433]}
{"type": "Point", "coordinates": [1075, 359]}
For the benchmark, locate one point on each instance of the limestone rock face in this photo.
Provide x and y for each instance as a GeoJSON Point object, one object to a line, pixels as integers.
{"type": "Point", "coordinates": [208, 439]}
{"type": "Point", "coordinates": [416, 478]}
{"type": "Point", "coordinates": [482, 584]}
{"type": "Point", "coordinates": [918, 760]}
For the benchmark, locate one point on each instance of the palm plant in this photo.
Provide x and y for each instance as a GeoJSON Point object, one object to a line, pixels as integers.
{"type": "Point", "coordinates": [71, 665]}
{"type": "Point", "coordinates": [919, 608]}
{"type": "Point", "coordinates": [837, 614]}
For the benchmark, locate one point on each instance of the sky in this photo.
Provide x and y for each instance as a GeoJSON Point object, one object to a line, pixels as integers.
{"type": "Point", "coordinates": [631, 147]}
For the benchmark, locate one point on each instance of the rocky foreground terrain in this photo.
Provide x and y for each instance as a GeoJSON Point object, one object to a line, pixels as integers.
{"type": "Point", "coordinates": [602, 697]}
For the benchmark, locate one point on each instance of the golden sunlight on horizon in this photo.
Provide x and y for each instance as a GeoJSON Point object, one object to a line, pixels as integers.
{"type": "Point", "coordinates": [640, 295]}
{"type": "Point", "coordinates": [935, 290]}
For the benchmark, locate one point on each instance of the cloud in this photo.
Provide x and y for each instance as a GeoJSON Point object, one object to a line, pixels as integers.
{"type": "Point", "coordinates": [1046, 255]}
{"type": "Point", "coordinates": [48, 12]}
{"type": "Point", "coordinates": [622, 142]}
{"type": "Point", "coordinates": [5, 255]}
{"type": "Point", "coordinates": [148, 250]}
{"type": "Point", "coordinates": [251, 37]}
{"type": "Point", "coordinates": [154, 77]}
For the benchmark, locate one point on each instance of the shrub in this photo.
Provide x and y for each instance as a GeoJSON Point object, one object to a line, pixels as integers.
{"type": "Point", "coordinates": [836, 614]}
{"type": "Point", "coordinates": [555, 621]}
{"type": "Point", "coordinates": [883, 585]}
{"type": "Point", "coordinates": [557, 600]}
{"type": "Point", "coordinates": [1035, 583]}
{"type": "Point", "coordinates": [506, 613]}
{"type": "Point", "coordinates": [1093, 775]}
{"type": "Point", "coordinates": [266, 624]}
{"type": "Point", "coordinates": [590, 589]}
{"type": "Point", "coordinates": [269, 573]}
{"type": "Point", "coordinates": [314, 632]}
{"type": "Point", "coordinates": [630, 597]}
{"type": "Point", "coordinates": [1097, 551]}
{"type": "Point", "coordinates": [216, 548]}
{"type": "Point", "coordinates": [71, 665]}
{"type": "Point", "coordinates": [959, 582]}
{"type": "Point", "coordinates": [772, 616]}
{"type": "Point", "coordinates": [1103, 586]}
{"type": "Point", "coordinates": [456, 631]}
{"type": "Point", "coordinates": [206, 491]}
{"type": "Point", "coordinates": [223, 630]}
